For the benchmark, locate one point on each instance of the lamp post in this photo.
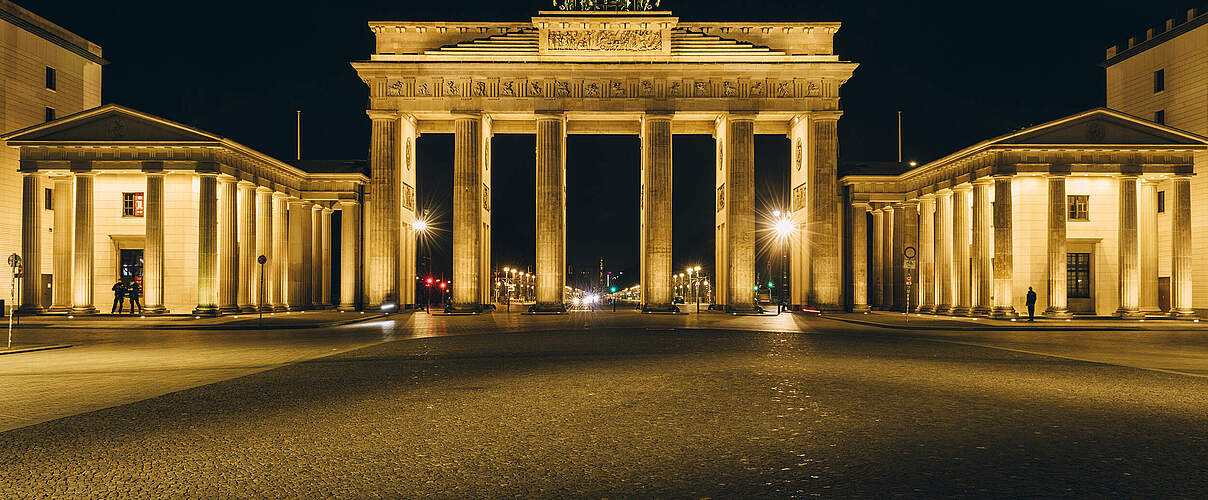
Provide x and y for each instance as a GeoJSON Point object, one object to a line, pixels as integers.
{"type": "Point", "coordinates": [421, 228]}
{"type": "Point", "coordinates": [783, 227]}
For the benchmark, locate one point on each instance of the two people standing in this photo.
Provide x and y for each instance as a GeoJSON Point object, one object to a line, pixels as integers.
{"type": "Point", "coordinates": [126, 289]}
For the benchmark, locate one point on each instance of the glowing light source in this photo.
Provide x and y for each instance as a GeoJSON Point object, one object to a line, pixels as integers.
{"type": "Point", "coordinates": [419, 225]}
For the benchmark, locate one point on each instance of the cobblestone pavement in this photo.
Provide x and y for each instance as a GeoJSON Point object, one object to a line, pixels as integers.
{"type": "Point", "coordinates": [600, 411]}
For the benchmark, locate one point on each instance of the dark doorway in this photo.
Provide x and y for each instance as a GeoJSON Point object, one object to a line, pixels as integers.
{"type": "Point", "coordinates": [131, 265]}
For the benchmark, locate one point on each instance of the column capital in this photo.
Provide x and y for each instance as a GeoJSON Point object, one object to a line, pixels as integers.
{"type": "Point", "coordinates": [249, 185]}
{"type": "Point", "coordinates": [381, 114]}
{"type": "Point", "coordinates": [327, 210]}
{"type": "Point", "coordinates": [862, 204]}
{"type": "Point", "coordinates": [279, 194]}
{"type": "Point", "coordinates": [1129, 177]}
{"type": "Point", "coordinates": [927, 197]}
{"type": "Point", "coordinates": [983, 181]}
{"type": "Point", "coordinates": [263, 189]}
{"type": "Point", "coordinates": [834, 115]}
{"type": "Point", "coordinates": [962, 187]}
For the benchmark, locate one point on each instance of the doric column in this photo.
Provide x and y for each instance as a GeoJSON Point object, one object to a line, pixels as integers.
{"type": "Point", "coordinates": [1147, 235]}
{"type": "Point", "coordinates": [153, 251]}
{"type": "Point", "coordinates": [656, 213]}
{"type": "Point", "coordinates": [63, 185]}
{"type": "Point", "coordinates": [1004, 264]}
{"type": "Point", "coordinates": [1057, 253]}
{"type": "Point", "coordinates": [278, 261]}
{"type": "Point", "coordinates": [1130, 258]}
{"type": "Point", "coordinates": [383, 216]}
{"type": "Point", "coordinates": [877, 260]}
{"type": "Point", "coordinates": [926, 283]}
{"type": "Point", "coordinates": [897, 259]}
{"type": "Point", "coordinates": [31, 242]}
{"type": "Point", "coordinates": [325, 261]}
{"type": "Point", "coordinates": [943, 252]}
{"type": "Point", "coordinates": [551, 212]}
{"type": "Point", "coordinates": [261, 282]}
{"type": "Point", "coordinates": [350, 228]}
{"type": "Point", "coordinates": [228, 252]}
{"type": "Point", "coordinates": [824, 221]}
{"type": "Point", "coordinates": [81, 283]}
{"type": "Point", "coordinates": [740, 215]}
{"type": "Point", "coordinates": [859, 257]}
{"type": "Point", "coordinates": [1180, 268]}
{"type": "Point", "coordinates": [983, 233]}
{"type": "Point", "coordinates": [961, 234]}
{"type": "Point", "coordinates": [244, 296]}
{"type": "Point", "coordinates": [300, 214]}
{"type": "Point", "coordinates": [888, 298]}
{"type": "Point", "coordinates": [467, 214]}
{"type": "Point", "coordinates": [207, 241]}
{"type": "Point", "coordinates": [906, 235]}
{"type": "Point", "coordinates": [316, 256]}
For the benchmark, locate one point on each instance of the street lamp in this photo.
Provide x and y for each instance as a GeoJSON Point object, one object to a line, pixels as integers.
{"type": "Point", "coordinates": [783, 228]}
{"type": "Point", "coordinates": [420, 226]}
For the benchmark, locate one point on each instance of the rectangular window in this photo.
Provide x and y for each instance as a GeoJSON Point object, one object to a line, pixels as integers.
{"type": "Point", "coordinates": [1079, 207]}
{"type": "Point", "coordinates": [1161, 201]}
{"type": "Point", "coordinates": [51, 79]}
{"type": "Point", "coordinates": [50, 114]}
{"type": "Point", "coordinates": [132, 204]}
{"type": "Point", "coordinates": [50, 199]}
{"type": "Point", "coordinates": [1159, 81]}
{"type": "Point", "coordinates": [1159, 117]}
{"type": "Point", "coordinates": [1078, 275]}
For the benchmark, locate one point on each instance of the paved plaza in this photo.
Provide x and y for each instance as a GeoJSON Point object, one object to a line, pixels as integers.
{"type": "Point", "coordinates": [603, 404]}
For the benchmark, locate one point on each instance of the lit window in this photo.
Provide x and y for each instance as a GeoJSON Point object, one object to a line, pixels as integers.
{"type": "Point", "coordinates": [1159, 81]}
{"type": "Point", "coordinates": [132, 204]}
{"type": "Point", "coordinates": [50, 199]}
{"type": "Point", "coordinates": [1159, 117]}
{"type": "Point", "coordinates": [52, 82]}
{"type": "Point", "coordinates": [50, 114]}
{"type": "Point", "coordinates": [1078, 275]}
{"type": "Point", "coordinates": [1079, 204]}
{"type": "Point", "coordinates": [1161, 201]}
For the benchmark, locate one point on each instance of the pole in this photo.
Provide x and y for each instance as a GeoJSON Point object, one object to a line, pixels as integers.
{"type": "Point", "coordinates": [260, 306]}
{"type": "Point", "coordinates": [299, 156]}
{"type": "Point", "coordinates": [899, 136]}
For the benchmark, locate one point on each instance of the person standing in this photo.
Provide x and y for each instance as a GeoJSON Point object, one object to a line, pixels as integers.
{"type": "Point", "coordinates": [134, 291]}
{"type": "Point", "coordinates": [119, 297]}
{"type": "Point", "coordinates": [1031, 304]}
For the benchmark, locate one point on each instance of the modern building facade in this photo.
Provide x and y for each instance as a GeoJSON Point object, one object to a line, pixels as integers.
{"type": "Point", "coordinates": [1163, 77]}
{"type": "Point", "coordinates": [187, 212]}
{"type": "Point", "coordinates": [45, 72]}
{"type": "Point", "coordinates": [1084, 210]}
{"type": "Point", "coordinates": [639, 73]}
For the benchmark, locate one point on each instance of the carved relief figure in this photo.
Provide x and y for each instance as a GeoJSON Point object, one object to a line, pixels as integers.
{"type": "Point", "coordinates": [756, 89]}
{"type": "Point", "coordinates": [508, 89]}
{"type": "Point", "coordinates": [561, 89]}
{"type": "Point", "coordinates": [451, 87]}
{"type": "Point", "coordinates": [784, 89]}
{"type": "Point", "coordinates": [606, 4]}
{"type": "Point", "coordinates": [623, 40]}
{"type": "Point", "coordinates": [647, 88]}
{"type": "Point", "coordinates": [813, 89]}
{"type": "Point", "coordinates": [721, 197]}
{"type": "Point", "coordinates": [701, 89]}
{"type": "Point", "coordinates": [423, 90]}
{"type": "Point", "coordinates": [798, 153]}
{"type": "Point", "coordinates": [535, 89]}
{"type": "Point", "coordinates": [407, 160]}
{"type": "Point", "coordinates": [480, 89]}
{"type": "Point", "coordinates": [729, 89]}
{"type": "Point", "coordinates": [591, 90]}
{"type": "Point", "coordinates": [617, 89]}
{"type": "Point", "coordinates": [395, 88]}
{"type": "Point", "coordinates": [674, 89]}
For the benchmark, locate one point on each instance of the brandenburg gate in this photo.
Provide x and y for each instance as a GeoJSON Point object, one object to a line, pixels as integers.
{"type": "Point", "coordinates": [605, 72]}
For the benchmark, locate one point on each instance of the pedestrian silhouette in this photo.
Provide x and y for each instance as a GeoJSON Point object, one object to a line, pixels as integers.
{"type": "Point", "coordinates": [1031, 304]}
{"type": "Point", "coordinates": [119, 296]}
{"type": "Point", "coordinates": [134, 291]}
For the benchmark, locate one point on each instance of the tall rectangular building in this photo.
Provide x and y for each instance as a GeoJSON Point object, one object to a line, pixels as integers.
{"type": "Point", "coordinates": [45, 72]}
{"type": "Point", "coordinates": [1163, 77]}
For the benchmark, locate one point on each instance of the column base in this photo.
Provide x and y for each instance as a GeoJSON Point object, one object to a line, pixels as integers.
{"type": "Point", "coordinates": [208, 311]}
{"type": "Point", "coordinates": [942, 309]}
{"type": "Point", "coordinates": [28, 310]}
{"type": "Point", "coordinates": [248, 308]}
{"type": "Point", "coordinates": [659, 308]}
{"type": "Point", "coordinates": [279, 308]}
{"type": "Point", "coordinates": [1003, 312]}
{"type": "Point", "coordinates": [85, 310]}
{"type": "Point", "coordinates": [58, 310]}
{"type": "Point", "coordinates": [1184, 314]}
{"type": "Point", "coordinates": [927, 309]}
{"type": "Point", "coordinates": [557, 308]}
{"type": "Point", "coordinates": [1127, 313]}
{"type": "Point", "coordinates": [860, 308]}
{"type": "Point", "coordinates": [1057, 313]}
{"type": "Point", "coordinates": [960, 311]}
{"type": "Point", "coordinates": [155, 310]}
{"type": "Point", "coordinates": [299, 307]}
{"type": "Point", "coordinates": [229, 310]}
{"type": "Point", "coordinates": [981, 311]}
{"type": "Point", "coordinates": [347, 307]}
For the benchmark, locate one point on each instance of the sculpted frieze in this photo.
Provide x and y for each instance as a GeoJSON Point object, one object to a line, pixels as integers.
{"type": "Point", "coordinates": [617, 89]}
{"type": "Point", "coordinates": [606, 40]}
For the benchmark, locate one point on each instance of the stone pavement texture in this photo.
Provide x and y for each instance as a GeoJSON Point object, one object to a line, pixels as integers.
{"type": "Point", "coordinates": [593, 405]}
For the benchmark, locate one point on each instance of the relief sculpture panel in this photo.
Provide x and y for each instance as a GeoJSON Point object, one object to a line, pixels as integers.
{"type": "Point", "coordinates": [612, 41]}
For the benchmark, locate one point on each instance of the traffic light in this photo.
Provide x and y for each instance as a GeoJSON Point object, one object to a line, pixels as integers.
{"type": "Point", "coordinates": [429, 281]}
{"type": "Point", "coordinates": [442, 285]}
{"type": "Point", "coordinates": [771, 285]}
{"type": "Point", "coordinates": [612, 289]}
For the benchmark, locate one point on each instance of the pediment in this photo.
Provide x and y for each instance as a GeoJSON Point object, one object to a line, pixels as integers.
{"type": "Point", "coordinates": [111, 124]}
{"type": "Point", "coordinates": [1102, 127]}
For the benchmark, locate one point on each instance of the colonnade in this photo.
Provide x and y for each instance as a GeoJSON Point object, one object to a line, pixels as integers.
{"type": "Point", "coordinates": [966, 257]}
{"type": "Point", "coordinates": [393, 132]}
{"type": "Point", "coordinates": [237, 221]}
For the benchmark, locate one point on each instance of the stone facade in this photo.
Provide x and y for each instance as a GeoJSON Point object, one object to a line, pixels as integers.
{"type": "Point", "coordinates": [640, 73]}
{"type": "Point", "coordinates": [29, 46]}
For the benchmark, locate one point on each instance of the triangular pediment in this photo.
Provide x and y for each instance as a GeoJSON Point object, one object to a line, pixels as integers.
{"type": "Point", "coordinates": [1102, 126]}
{"type": "Point", "coordinates": [111, 123]}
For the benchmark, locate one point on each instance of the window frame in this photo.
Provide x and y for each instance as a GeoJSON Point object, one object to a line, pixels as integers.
{"type": "Point", "coordinates": [49, 114]}
{"type": "Point", "coordinates": [1159, 117]}
{"type": "Point", "coordinates": [1159, 80]}
{"type": "Point", "coordinates": [138, 204]}
{"type": "Point", "coordinates": [1076, 288]}
{"type": "Point", "coordinates": [49, 196]}
{"type": "Point", "coordinates": [1160, 201]}
{"type": "Point", "coordinates": [52, 79]}
{"type": "Point", "coordinates": [1078, 204]}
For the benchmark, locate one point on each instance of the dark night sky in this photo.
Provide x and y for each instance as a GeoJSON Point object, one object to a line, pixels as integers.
{"type": "Point", "coordinates": [960, 71]}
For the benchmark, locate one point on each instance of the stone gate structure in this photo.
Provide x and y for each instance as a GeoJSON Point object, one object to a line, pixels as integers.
{"type": "Point", "coordinates": [643, 73]}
